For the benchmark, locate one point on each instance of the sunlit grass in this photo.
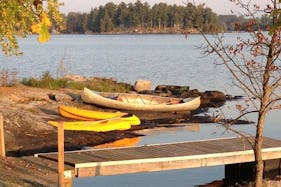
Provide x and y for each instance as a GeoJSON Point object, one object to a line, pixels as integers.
{"type": "Point", "coordinates": [98, 84]}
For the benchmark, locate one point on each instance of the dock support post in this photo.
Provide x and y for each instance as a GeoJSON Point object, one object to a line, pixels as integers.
{"type": "Point", "coordinates": [61, 154]}
{"type": "Point", "coordinates": [246, 171]}
{"type": "Point", "coordinates": [239, 172]}
{"type": "Point", "coordinates": [65, 177]}
{"type": "Point", "coordinates": [2, 139]}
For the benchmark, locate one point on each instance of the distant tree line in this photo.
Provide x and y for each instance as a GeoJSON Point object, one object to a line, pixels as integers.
{"type": "Point", "coordinates": [140, 17]}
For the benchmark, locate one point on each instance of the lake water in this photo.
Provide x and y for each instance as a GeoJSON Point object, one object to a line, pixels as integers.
{"type": "Point", "coordinates": [162, 59]}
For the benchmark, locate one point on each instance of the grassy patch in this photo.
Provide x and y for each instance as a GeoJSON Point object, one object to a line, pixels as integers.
{"type": "Point", "coordinates": [98, 84]}
{"type": "Point", "coordinates": [46, 81]}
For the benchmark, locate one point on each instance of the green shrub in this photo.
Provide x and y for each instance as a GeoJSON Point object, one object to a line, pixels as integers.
{"type": "Point", "coordinates": [46, 81]}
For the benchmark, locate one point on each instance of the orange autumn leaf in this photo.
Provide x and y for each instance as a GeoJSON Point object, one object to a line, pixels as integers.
{"type": "Point", "coordinates": [42, 28]}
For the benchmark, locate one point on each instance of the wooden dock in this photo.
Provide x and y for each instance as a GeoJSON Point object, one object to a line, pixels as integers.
{"type": "Point", "coordinates": [148, 158]}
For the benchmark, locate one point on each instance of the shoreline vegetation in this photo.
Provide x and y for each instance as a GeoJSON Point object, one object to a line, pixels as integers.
{"type": "Point", "coordinates": [28, 105]}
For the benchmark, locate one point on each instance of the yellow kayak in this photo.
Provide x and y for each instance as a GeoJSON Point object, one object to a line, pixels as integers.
{"type": "Point", "coordinates": [72, 116]}
{"type": "Point", "coordinates": [91, 115]}
{"type": "Point", "coordinates": [97, 126]}
{"type": "Point", "coordinates": [83, 114]}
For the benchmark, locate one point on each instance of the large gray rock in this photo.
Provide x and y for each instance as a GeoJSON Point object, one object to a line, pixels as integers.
{"type": "Point", "coordinates": [212, 99]}
{"type": "Point", "coordinates": [142, 85]}
{"type": "Point", "coordinates": [215, 96]}
{"type": "Point", "coordinates": [76, 78]}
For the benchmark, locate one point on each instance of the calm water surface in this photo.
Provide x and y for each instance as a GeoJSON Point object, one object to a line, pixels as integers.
{"type": "Point", "coordinates": [162, 59]}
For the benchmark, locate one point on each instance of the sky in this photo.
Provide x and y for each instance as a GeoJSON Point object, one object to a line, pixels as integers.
{"type": "Point", "coordinates": [218, 6]}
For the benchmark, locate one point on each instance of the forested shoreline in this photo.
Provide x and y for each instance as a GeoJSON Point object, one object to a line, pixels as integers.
{"type": "Point", "coordinates": [140, 17]}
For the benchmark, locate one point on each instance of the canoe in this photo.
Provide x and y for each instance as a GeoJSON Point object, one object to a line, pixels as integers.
{"type": "Point", "coordinates": [92, 115]}
{"type": "Point", "coordinates": [142, 102]}
{"type": "Point", "coordinates": [96, 126]}
{"type": "Point", "coordinates": [87, 115]}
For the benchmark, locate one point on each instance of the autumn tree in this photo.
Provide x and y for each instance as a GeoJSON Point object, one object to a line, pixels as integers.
{"type": "Point", "coordinates": [21, 17]}
{"type": "Point", "coordinates": [254, 63]}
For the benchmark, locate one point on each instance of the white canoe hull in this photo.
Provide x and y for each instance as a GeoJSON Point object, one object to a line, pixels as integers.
{"type": "Point", "coordinates": [140, 102]}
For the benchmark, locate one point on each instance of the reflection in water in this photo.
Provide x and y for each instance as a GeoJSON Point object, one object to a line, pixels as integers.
{"type": "Point", "coordinates": [192, 127]}
{"type": "Point", "coordinates": [126, 142]}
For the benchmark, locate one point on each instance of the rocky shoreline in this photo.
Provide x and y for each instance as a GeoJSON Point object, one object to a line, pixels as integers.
{"type": "Point", "coordinates": [26, 111]}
